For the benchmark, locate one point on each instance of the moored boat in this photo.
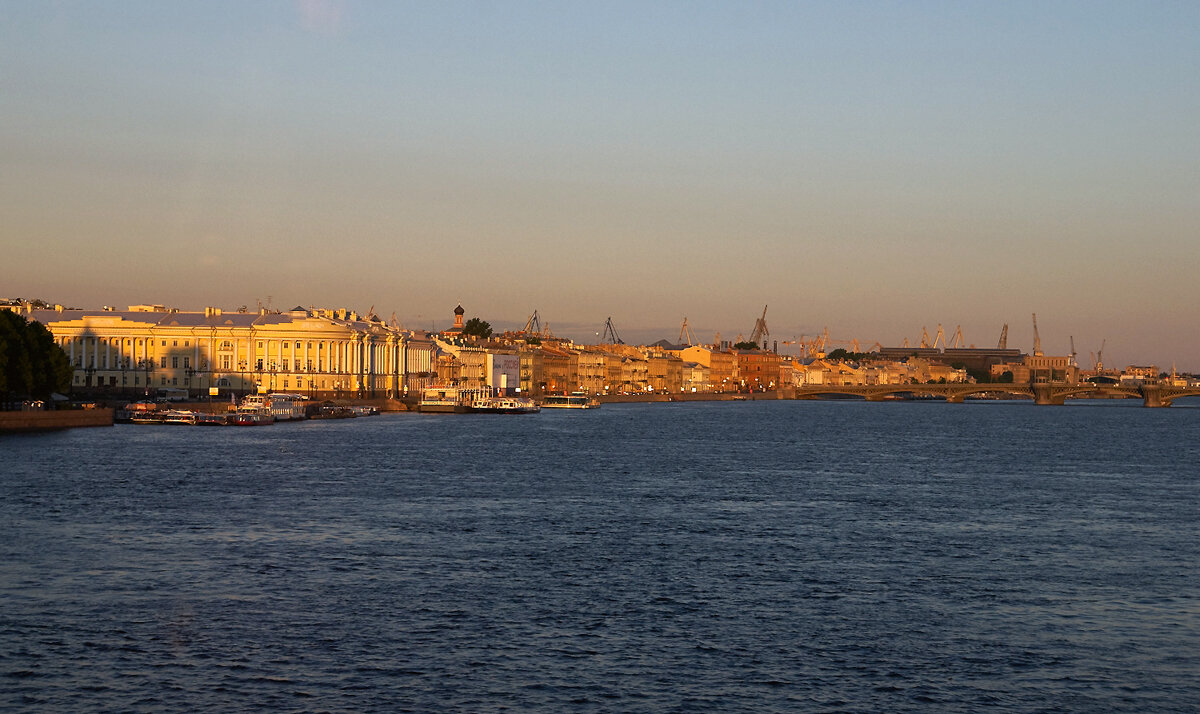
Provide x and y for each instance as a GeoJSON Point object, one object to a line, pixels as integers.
{"type": "Point", "coordinates": [281, 407]}
{"type": "Point", "coordinates": [446, 400]}
{"type": "Point", "coordinates": [251, 418]}
{"type": "Point", "coordinates": [574, 400]}
{"type": "Point", "coordinates": [179, 416]}
{"type": "Point", "coordinates": [504, 405]}
{"type": "Point", "coordinates": [147, 417]}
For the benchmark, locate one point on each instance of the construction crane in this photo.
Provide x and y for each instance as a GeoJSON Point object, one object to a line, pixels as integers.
{"type": "Point", "coordinates": [760, 332]}
{"type": "Point", "coordinates": [1072, 362]}
{"type": "Point", "coordinates": [1003, 343]}
{"type": "Point", "coordinates": [533, 325]}
{"type": "Point", "coordinates": [941, 337]}
{"type": "Point", "coordinates": [924, 337]}
{"type": "Point", "coordinates": [685, 333]}
{"type": "Point", "coordinates": [610, 330]}
{"type": "Point", "coordinates": [958, 338]}
{"type": "Point", "coordinates": [1037, 339]}
{"type": "Point", "coordinates": [1100, 357]}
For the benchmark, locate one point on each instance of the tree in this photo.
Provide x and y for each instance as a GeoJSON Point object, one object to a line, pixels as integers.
{"type": "Point", "coordinates": [745, 345]}
{"type": "Point", "coordinates": [477, 328]}
{"type": "Point", "coordinates": [31, 363]}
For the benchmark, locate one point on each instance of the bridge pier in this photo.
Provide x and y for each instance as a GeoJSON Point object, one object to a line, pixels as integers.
{"type": "Point", "coordinates": [1043, 395]}
{"type": "Point", "coordinates": [1152, 396]}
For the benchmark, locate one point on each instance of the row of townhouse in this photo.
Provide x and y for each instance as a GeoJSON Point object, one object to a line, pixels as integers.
{"type": "Point", "coordinates": [560, 366]}
{"type": "Point", "coordinates": [839, 373]}
{"type": "Point", "coordinates": [319, 353]}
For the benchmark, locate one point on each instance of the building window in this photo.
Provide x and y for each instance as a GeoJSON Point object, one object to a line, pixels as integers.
{"type": "Point", "coordinates": [285, 384]}
{"type": "Point", "coordinates": [187, 343]}
{"type": "Point", "coordinates": [163, 380]}
{"type": "Point", "coordinates": [187, 362]}
{"type": "Point", "coordinates": [175, 380]}
{"type": "Point", "coordinates": [175, 362]}
{"type": "Point", "coordinates": [164, 343]}
{"type": "Point", "coordinates": [258, 365]}
{"type": "Point", "coordinates": [297, 345]}
{"type": "Point", "coordinates": [174, 343]}
{"type": "Point", "coordinates": [164, 363]}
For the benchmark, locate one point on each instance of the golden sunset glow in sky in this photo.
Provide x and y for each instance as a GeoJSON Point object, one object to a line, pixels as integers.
{"type": "Point", "coordinates": [871, 167]}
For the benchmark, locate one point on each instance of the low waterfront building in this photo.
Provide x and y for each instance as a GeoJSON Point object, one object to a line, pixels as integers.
{"type": "Point", "coordinates": [591, 370]}
{"type": "Point", "coordinates": [757, 370]}
{"type": "Point", "coordinates": [664, 371]}
{"type": "Point", "coordinates": [1038, 369]}
{"type": "Point", "coordinates": [721, 364]}
{"type": "Point", "coordinates": [696, 378]}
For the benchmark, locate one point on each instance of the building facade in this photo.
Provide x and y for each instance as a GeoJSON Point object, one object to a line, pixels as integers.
{"type": "Point", "coordinates": [317, 353]}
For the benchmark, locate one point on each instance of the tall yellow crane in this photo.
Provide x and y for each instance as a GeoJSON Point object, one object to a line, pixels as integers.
{"type": "Point", "coordinates": [760, 333]}
{"type": "Point", "coordinates": [685, 332]}
{"type": "Point", "coordinates": [1037, 339]}
{"type": "Point", "coordinates": [958, 338]}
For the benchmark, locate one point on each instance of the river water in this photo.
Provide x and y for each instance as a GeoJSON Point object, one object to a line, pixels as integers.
{"type": "Point", "coordinates": [686, 557]}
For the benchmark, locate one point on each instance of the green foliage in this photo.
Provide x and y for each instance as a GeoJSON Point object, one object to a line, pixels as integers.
{"type": "Point", "coordinates": [846, 355]}
{"type": "Point", "coordinates": [745, 345]}
{"type": "Point", "coordinates": [477, 328]}
{"type": "Point", "coordinates": [1006, 378]}
{"type": "Point", "coordinates": [31, 364]}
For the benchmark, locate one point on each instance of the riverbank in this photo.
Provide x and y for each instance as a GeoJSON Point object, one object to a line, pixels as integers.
{"type": "Point", "coordinates": [51, 420]}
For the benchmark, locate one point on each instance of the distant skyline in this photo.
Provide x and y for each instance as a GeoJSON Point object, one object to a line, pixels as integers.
{"type": "Point", "coordinates": [873, 168]}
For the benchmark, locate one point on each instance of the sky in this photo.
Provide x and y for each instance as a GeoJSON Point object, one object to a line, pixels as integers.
{"type": "Point", "coordinates": [873, 168]}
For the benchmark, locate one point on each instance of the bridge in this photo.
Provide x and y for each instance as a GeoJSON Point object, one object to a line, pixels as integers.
{"type": "Point", "coordinates": [1051, 393]}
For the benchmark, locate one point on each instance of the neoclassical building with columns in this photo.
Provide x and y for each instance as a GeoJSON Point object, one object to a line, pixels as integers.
{"type": "Point", "coordinates": [319, 353]}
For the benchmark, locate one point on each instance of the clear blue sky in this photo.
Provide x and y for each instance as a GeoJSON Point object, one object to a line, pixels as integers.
{"type": "Point", "coordinates": [870, 167]}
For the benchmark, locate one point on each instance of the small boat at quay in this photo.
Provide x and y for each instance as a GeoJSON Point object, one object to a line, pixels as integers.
{"type": "Point", "coordinates": [179, 416]}
{"type": "Point", "coordinates": [574, 400]}
{"type": "Point", "coordinates": [147, 417]}
{"type": "Point", "coordinates": [251, 418]}
{"type": "Point", "coordinates": [447, 400]}
{"type": "Point", "coordinates": [504, 405]}
{"type": "Point", "coordinates": [282, 407]}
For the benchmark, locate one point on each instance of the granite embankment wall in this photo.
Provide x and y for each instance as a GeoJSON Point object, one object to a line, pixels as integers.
{"type": "Point", "coordinates": [699, 396]}
{"type": "Point", "coordinates": [62, 419]}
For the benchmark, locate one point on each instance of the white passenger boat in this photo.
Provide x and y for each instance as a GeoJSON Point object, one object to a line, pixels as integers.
{"type": "Point", "coordinates": [177, 416]}
{"type": "Point", "coordinates": [281, 407]}
{"type": "Point", "coordinates": [447, 399]}
{"type": "Point", "coordinates": [504, 405]}
{"type": "Point", "coordinates": [574, 400]}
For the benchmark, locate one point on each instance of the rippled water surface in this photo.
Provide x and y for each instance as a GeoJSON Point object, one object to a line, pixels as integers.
{"type": "Point", "coordinates": [754, 556]}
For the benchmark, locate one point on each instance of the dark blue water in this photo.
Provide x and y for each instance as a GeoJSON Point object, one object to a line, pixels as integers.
{"type": "Point", "coordinates": [757, 556]}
